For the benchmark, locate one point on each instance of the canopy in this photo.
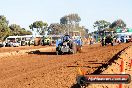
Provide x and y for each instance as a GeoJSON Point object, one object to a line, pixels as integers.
{"type": "Point", "coordinates": [119, 30]}
{"type": "Point", "coordinates": [129, 30]}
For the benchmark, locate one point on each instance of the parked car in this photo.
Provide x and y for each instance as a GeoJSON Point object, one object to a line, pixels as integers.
{"type": "Point", "coordinates": [15, 44]}
{"type": "Point", "coordinates": [46, 41]}
{"type": "Point", "coordinates": [12, 44]}
{"type": "Point", "coordinates": [9, 44]}
{"type": "Point", "coordinates": [1, 45]}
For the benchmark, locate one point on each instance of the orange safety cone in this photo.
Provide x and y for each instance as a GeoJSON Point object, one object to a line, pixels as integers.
{"type": "Point", "coordinates": [131, 64]}
{"type": "Point", "coordinates": [122, 67]}
{"type": "Point", "coordinates": [120, 86]}
{"type": "Point", "coordinates": [122, 70]}
{"type": "Point", "coordinates": [80, 71]}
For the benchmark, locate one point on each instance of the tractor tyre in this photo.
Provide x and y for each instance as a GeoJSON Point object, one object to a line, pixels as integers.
{"type": "Point", "coordinates": [79, 49]}
{"type": "Point", "coordinates": [58, 52]}
{"type": "Point", "coordinates": [74, 48]}
{"type": "Point", "coordinates": [112, 44]}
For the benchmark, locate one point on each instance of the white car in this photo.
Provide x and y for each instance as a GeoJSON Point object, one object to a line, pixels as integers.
{"type": "Point", "coordinates": [16, 44]}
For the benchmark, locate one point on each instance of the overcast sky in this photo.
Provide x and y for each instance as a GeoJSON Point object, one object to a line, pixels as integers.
{"type": "Point", "coordinates": [25, 12]}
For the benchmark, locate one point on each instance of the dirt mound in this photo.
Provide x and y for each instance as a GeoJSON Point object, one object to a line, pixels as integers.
{"type": "Point", "coordinates": [11, 49]}
{"type": "Point", "coordinates": [21, 51]}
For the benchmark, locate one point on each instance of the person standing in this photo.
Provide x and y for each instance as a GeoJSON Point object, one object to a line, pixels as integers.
{"type": "Point", "coordinates": [103, 41]}
{"type": "Point", "coordinates": [29, 42]}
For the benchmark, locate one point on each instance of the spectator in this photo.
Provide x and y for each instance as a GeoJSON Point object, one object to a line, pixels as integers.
{"type": "Point", "coordinates": [29, 42]}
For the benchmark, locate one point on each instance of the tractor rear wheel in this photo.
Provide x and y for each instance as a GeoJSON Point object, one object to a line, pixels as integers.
{"type": "Point", "coordinates": [58, 52]}
{"type": "Point", "coordinates": [79, 48]}
{"type": "Point", "coordinates": [74, 48]}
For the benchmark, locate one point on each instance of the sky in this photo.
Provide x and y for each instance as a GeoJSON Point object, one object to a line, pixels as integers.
{"type": "Point", "coordinates": [25, 12]}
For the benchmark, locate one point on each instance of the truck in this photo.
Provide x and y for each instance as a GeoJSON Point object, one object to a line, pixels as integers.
{"type": "Point", "coordinates": [46, 40]}
{"type": "Point", "coordinates": [108, 40]}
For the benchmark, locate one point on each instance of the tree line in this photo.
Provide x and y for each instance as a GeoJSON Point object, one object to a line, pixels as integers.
{"type": "Point", "coordinates": [71, 22]}
{"type": "Point", "coordinates": [10, 30]}
{"type": "Point", "coordinates": [103, 25]}
{"type": "Point", "coordinates": [68, 23]}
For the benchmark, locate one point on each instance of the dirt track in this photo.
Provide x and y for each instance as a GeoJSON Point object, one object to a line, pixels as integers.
{"type": "Point", "coordinates": [10, 49]}
{"type": "Point", "coordinates": [47, 70]}
{"type": "Point", "coordinates": [115, 68]}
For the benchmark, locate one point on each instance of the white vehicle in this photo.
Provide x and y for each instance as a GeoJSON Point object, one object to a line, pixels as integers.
{"type": "Point", "coordinates": [15, 44]}
{"type": "Point", "coordinates": [124, 37]}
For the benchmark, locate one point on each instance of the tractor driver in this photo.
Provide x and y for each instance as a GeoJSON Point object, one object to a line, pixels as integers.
{"type": "Point", "coordinates": [66, 38]}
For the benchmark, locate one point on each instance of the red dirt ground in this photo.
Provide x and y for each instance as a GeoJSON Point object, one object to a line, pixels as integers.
{"type": "Point", "coordinates": [47, 70]}
{"type": "Point", "coordinates": [115, 67]}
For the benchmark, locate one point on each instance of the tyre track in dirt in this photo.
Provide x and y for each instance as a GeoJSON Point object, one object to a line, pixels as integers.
{"type": "Point", "coordinates": [47, 70]}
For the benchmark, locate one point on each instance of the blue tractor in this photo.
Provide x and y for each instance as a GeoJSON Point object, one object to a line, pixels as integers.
{"type": "Point", "coordinates": [68, 45]}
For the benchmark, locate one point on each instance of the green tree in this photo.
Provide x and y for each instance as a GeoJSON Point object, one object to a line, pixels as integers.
{"type": "Point", "coordinates": [23, 31]}
{"type": "Point", "coordinates": [56, 28]}
{"type": "Point", "coordinates": [17, 30]}
{"type": "Point", "coordinates": [74, 18]}
{"type": "Point", "coordinates": [118, 24]}
{"type": "Point", "coordinates": [44, 28]}
{"type": "Point", "coordinates": [40, 26]}
{"type": "Point", "coordinates": [4, 29]}
{"type": "Point", "coordinates": [13, 29]}
{"type": "Point", "coordinates": [64, 20]}
{"type": "Point", "coordinates": [31, 26]}
{"type": "Point", "coordinates": [70, 22]}
{"type": "Point", "coordinates": [71, 19]}
{"type": "Point", "coordinates": [101, 25]}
